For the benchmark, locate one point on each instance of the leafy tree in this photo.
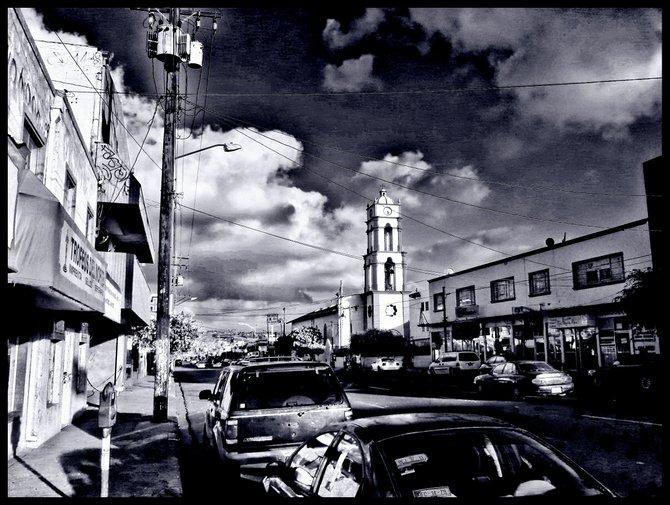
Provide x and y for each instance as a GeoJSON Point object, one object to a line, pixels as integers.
{"type": "Point", "coordinates": [307, 340]}
{"type": "Point", "coordinates": [376, 342]}
{"type": "Point", "coordinates": [642, 298]}
{"type": "Point", "coordinates": [182, 333]}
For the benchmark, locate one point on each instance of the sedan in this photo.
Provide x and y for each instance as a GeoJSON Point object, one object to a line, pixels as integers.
{"type": "Point", "coordinates": [386, 364]}
{"type": "Point", "coordinates": [491, 362]}
{"type": "Point", "coordinates": [429, 455]}
{"type": "Point", "coordinates": [520, 378]}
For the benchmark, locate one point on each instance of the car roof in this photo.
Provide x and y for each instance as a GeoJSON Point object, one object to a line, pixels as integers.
{"type": "Point", "coordinates": [256, 365]}
{"type": "Point", "coordinates": [382, 427]}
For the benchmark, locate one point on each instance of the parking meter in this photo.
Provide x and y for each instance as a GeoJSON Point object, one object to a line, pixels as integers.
{"type": "Point", "coordinates": [107, 410]}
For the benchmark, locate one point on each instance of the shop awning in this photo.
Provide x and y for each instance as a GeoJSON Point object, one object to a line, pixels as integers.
{"type": "Point", "coordinates": [124, 226]}
{"type": "Point", "coordinates": [51, 255]}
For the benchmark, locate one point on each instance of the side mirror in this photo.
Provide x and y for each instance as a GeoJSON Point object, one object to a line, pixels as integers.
{"type": "Point", "coordinates": [205, 394]}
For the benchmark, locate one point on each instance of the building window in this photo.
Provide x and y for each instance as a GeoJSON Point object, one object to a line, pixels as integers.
{"type": "Point", "coordinates": [388, 238]}
{"type": "Point", "coordinates": [598, 271]}
{"type": "Point", "coordinates": [425, 306]}
{"type": "Point", "coordinates": [438, 302]}
{"type": "Point", "coordinates": [465, 296]}
{"type": "Point", "coordinates": [389, 275]}
{"type": "Point", "coordinates": [502, 290]}
{"type": "Point", "coordinates": [70, 196]}
{"type": "Point", "coordinates": [34, 153]}
{"type": "Point", "coordinates": [55, 371]}
{"type": "Point", "coordinates": [538, 283]}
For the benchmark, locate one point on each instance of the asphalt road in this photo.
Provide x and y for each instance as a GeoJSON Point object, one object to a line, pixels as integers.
{"type": "Point", "coordinates": [620, 444]}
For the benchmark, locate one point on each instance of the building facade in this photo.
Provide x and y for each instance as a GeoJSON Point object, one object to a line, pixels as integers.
{"type": "Point", "coordinates": [555, 304]}
{"type": "Point", "coordinates": [78, 289]}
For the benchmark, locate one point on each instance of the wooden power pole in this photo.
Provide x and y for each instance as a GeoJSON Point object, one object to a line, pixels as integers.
{"type": "Point", "coordinates": [173, 47]}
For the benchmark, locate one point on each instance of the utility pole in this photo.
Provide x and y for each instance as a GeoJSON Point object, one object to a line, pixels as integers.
{"type": "Point", "coordinates": [444, 318]}
{"type": "Point", "coordinates": [169, 44]}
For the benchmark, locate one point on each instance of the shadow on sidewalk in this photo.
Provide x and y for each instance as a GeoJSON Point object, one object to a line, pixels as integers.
{"type": "Point", "coordinates": [143, 460]}
{"type": "Point", "coordinates": [40, 477]}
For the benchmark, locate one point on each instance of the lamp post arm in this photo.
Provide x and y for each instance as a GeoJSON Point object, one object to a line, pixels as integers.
{"type": "Point", "coordinates": [226, 147]}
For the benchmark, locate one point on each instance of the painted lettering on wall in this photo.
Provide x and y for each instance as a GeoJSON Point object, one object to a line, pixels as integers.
{"type": "Point", "coordinates": [79, 264]}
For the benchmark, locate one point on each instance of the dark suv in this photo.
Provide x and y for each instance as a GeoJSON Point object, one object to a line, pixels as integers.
{"type": "Point", "coordinates": [261, 410]}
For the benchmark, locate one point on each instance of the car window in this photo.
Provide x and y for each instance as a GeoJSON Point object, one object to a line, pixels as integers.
{"type": "Point", "coordinates": [220, 385]}
{"type": "Point", "coordinates": [286, 387]}
{"type": "Point", "coordinates": [468, 356]}
{"type": "Point", "coordinates": [479, 463]}
{"type": "Point", "coordinates": [498, 369]}
{"type": "Point", "coordinates": [305, 462]}
{"type": "Point", "coordinates": [343, 470]}
{"type": "Point", "coordinates": [446, 359]}
{"type": "Point", "coordinates": [510, 368]}
{"type": "Point", "coordinates": [536, 367]}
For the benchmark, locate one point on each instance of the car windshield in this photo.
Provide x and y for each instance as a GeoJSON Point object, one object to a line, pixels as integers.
{"type": "Point", "coordinates": [539, 366]}
{"type": "Point", "coordinates": [479, 463]}
{"type": "Point", "coordinates": [286, 387]}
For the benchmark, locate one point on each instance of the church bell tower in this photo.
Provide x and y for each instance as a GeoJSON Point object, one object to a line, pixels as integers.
{"type": "Point", "coordinates": [385, 267]}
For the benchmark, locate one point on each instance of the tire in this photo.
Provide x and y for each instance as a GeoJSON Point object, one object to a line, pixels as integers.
{"type": "Point", "coordinates": [480, 389]}
{"type": "Point", "coordinates": [516, 393]}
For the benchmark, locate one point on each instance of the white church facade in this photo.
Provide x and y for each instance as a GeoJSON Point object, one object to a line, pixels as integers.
{"type": "Point", "coordinates": [383, 304]}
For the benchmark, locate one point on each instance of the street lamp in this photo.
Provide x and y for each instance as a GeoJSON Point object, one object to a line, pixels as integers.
{"type": "Point", "coordinates": [229, 147]}
{"type": "Point", "coordinates": [186, 299]}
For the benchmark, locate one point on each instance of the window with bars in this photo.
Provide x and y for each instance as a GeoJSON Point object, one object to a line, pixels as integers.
{"type": "Point", "coordinates": [598, 271]}
{"type": "Point", "coordinates": [34, 152]}
{"type": "Point", "coordinates": [465, 296]}
{"type": "Point", "coordinates": [438, 302]}
{"type": "Point", "coordinates": [502, 290]}
{"type": "Point", "coordinates": [538, 283]}
{"type": "Point", "coordinates": [70, 195]}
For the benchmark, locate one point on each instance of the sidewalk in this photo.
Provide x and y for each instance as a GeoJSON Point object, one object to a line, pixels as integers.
{"type": "Point", "coordinates": [144, 459]}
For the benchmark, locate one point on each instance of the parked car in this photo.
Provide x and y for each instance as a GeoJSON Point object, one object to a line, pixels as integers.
{"type": "Point", "coordinates": [632, 375]}
{"type": "Point", "coordinates": [491, 362]}
{"type": "Point", "coordinates": [521, 378]}
{"type": "Point", "coordinates": [453, 362]}
{"type": "Point", "coordinates": [386, 364]}
{"type": "Point", "coordinates": [260, 411]}
{"type": "Point", "coordinates": [201, 363]}
{"type": "Point", "coordinates": [412, 455]}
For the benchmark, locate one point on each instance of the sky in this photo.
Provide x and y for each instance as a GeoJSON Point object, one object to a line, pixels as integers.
{"type": "Point", "coordinates": [495, 129]}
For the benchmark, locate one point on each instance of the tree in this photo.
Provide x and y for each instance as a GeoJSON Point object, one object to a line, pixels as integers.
{"type": "Point", "coordinates": [376, 342]}
{"type": "Point", "coordinates": [182, 333]}
{"type": "Point", "coordinates": [641, 297]}
{"type": "Point", "coordinates": [307, 340]}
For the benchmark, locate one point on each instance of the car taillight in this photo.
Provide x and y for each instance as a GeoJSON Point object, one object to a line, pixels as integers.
{"type": "Point", "coordinates": [231, 430]}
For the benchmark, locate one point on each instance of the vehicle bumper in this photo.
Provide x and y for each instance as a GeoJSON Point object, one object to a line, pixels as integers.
{"type": "Point", "coordinates": [554, 390]}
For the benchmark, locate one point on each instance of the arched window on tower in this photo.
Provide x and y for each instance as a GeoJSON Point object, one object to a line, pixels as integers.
{"type": "Point", "coordinates": [389, 275]}
{"type": "Point", "coordinates": [388, 238]}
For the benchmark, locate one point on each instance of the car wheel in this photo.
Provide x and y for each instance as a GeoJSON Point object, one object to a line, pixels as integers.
{"type": "Point", "coordinates": [480, 389]}
{"type": "Point", "coordinates": [431, 371]}
{"type": "Point", "coordinates": [516, 393]}
{"type": "Point", "coordinates": [646, 383]}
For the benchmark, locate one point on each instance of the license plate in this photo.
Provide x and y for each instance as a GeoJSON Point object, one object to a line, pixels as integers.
{"type": "Point", "coordinates": [556, 391]}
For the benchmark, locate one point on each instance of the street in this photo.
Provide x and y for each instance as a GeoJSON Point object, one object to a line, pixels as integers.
{"type": "Point", "coordinates": [620, 446]}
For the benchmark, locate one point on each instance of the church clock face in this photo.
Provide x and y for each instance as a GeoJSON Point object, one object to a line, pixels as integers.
{"type": "Point", "coordinates": [387, 211]}
{"type": "Point", "coordinates": [391, 310]}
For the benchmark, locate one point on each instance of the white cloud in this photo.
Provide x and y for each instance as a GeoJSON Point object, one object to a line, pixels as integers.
{"type": "Point", "coordinates": [566, 45]}
{"type": "Point", "coordinates": [35, 23]}
{"type": "Point", "coordinates": [335, 38]}
{"type": "Point", "coordinates": [351, 75]}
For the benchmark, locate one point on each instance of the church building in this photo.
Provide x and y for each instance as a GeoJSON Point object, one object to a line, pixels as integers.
{"type": "Point", "coordinates": [383, 303]}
